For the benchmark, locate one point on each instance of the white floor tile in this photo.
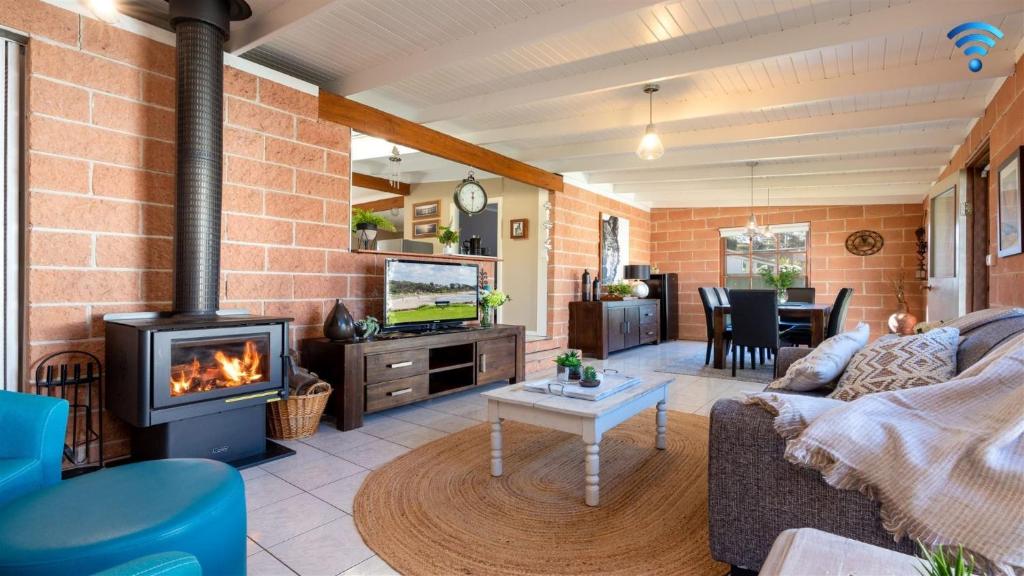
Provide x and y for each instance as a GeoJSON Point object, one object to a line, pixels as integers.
{"type": "Point", "coordinates": [315, 473]}
{"type": "Point", "coordinates": [339, 442]}
{"type": "Point", "coordinates": [263, 564]}
{"type": "Point", "coordinates": [371, 567]}
{"type": "Point", "coordinates": [435, 419]}
{"type": "Point", "coordinates": [267, 489]}
{"type": "Point", "coordinates": [329, 549]}
{"type": "Point", "coordinates": [251, 547]}
{"type": "Point", "coordinates": [386, 427]}
{"type": "Point", "coordinates": [341, 493]}
{"type": "Point", "coordinates": [374, 454]}
{"type": "Point", "coordinates": [286, 519]}
{"type": "Point", "coordinates": [418, 437]}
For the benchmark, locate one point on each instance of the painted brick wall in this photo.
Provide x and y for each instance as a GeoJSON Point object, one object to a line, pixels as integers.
{"type": "Point", "coordinates": [687, 241]}
{"type": "Point", "coordinates": [1002, 127]}
{"type": "Point", "coordinates": [576, 214]}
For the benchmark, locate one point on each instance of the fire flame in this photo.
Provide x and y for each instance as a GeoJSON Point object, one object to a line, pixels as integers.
{"type": "Point", "coordinates": [229, 372]}
{"type": "Point", "coordinates": [183, 382]}
{"type": "Point", "coordinates": [243, 370]}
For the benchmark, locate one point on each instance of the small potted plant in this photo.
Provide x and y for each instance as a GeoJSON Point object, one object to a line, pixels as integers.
{"type": "Point", "coordinates": [784, 279]}
{"type": "Point", "coordinates": [569, 366]}
{"type": "Point", "coordinates": [491, 300]}
{"type": "Point", "coordinates": [367, 328]}
{"type": "Point", "coordinates": [366, 223]}
{"type": "Point", "coordinates": [449, 238]}
{"type": "Point", "coordinates": [590, 379]}
{"type": "Point", "coordinates": [617, 291]}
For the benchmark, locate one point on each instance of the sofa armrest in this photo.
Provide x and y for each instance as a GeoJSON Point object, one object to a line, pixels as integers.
{"type": "Point", "coordinates": [786, 356]}
{"type": "Point", "coordinates": [754, 493]}
{"type": "Point", "coordinates": [33, 427]}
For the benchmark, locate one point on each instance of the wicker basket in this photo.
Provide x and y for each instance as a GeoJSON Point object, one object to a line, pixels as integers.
{"type": "Point", "coordinates": [298, 416]}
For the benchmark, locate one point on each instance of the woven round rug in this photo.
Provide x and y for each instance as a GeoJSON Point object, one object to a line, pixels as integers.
{"type": "Point", "coordinates": [437, 510]}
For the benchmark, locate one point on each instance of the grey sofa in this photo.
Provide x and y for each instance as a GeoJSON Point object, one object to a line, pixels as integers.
{"type": "Point", "coordinates": [754, 493]}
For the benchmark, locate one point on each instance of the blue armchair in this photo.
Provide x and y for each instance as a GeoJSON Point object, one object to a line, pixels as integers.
{"type": "Point", "coordinates": [31, 442]}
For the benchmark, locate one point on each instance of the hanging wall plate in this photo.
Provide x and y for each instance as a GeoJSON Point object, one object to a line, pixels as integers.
{"type": "Point", "coordinates": [864, 243]}
{"type": "Point", "coordinates": [470, 197]}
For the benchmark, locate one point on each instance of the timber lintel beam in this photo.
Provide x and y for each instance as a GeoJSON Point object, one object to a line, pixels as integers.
{"type": "Point", "coordinates": [380, 184]}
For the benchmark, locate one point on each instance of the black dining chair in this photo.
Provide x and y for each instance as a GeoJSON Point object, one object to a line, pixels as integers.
{"type": "Point", "coordinates": [836, 320]}
{"type": "Point", "coordinates": [709, 298]}
{"type": "Point", "coordinates": [755, 324]}
{"type": "Point", "coordinates": [800, 295]}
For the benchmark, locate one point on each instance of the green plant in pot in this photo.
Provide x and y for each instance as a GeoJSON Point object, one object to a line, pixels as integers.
{"type": "Point", "coordinates": [940, 561]}
{"type": "Point", "coordinates": [618, 291]}
{"type": "Point", "coordinates": [490, 301]}
{"type": "Point", "coordinates": [781, 280]}
{"type": "Point", "coordinates": [590, 379]}
{"type": "Point", "coordinates": [367, 328]}
{"type": "Point", "coordinates": [366, 223]}
{"type": "Point", "coordinates": [449, 238]}
{"type": "Point", "coordinates": [569, 364]}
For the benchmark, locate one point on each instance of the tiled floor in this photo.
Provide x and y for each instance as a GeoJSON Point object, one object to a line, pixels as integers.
{"type": "Point", "coordinates": [300, 507]}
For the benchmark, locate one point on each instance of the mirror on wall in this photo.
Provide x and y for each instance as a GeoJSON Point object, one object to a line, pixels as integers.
{"type": "Point", "coordinates": [404, 201]}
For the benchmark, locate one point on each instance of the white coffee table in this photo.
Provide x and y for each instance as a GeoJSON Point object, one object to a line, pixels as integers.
{"type": "Point", "coordinates": [586, 418]}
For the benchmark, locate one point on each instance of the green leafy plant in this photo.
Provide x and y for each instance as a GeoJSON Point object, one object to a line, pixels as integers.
{"type": "Point", "coordinates": [786, 276]}
{"type": "Point", "coordinates": [589, 373]}
{"type": "Point", "coordinates": [364, 216]}
{"type": "Point", "coordinates": [619, 289]}
{"type": "Point", "coordinates": [369, 326]}
{"type": "Point", "coordinates": [494, 298]}
{"type": "Point", "coordinates": [942, 562]}
{"type": "Point", "coordinates": [448, 235]}
{"type": "Point", "coordinates": [569, 359]}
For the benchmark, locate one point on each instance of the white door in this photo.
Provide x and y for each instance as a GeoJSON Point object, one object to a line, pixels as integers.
{"type": "Point", "coordinates": [945, 271]}
{"type": "Point", "coordinates": [10, 185]}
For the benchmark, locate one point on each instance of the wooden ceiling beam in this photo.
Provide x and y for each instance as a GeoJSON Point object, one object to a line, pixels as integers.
{"type": "Point", "coordinates": [379, 184]}
{"type": "Point", "coordinates": [394, 129]}
{"type": "Point", "coordinates": [382, 205]}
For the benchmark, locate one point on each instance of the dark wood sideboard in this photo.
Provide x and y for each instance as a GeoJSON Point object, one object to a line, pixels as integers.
{"type": "Point", "coordinates": [600, 328]}
{"type": "Point", "coordinates": [398, 369]}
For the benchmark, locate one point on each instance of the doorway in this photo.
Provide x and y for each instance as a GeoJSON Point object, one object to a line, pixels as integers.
{"type": "Point", "coordinates": [975, 209]}
{"type": "Point", "coordinates": [945, 251]}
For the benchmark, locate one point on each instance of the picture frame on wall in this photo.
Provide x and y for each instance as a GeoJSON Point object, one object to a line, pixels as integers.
{"type": "Point", "coordinates": [614, 247]}
{"type": "Point", "coordinates": [423, 210]}
{"type": "Point", "coordinates": [1009, 202]}
{"type": "Point", "coordinates": [519, 228]}
{"type": "Point", "coordinates": [425, 229]}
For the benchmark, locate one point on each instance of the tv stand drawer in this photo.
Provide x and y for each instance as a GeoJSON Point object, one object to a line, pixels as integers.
{"type": "Point", "coordinates": [395, 365]}
{"type": "Point", "coordinates": [396, 393]}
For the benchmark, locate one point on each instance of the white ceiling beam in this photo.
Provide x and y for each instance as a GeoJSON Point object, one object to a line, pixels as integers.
{"type": "Point", "coordinates": [762, 184]}
{"type": "Point", "coordinates": [765, 150]}
{"type": "Point", "coordinates": [997, 65]}
{"type": "Point", "coordinates": [261, 28]}
{"type": "Point", "coordinates": [902, 115]}
{"type": "Point", "coordinates": [578, 14]}
{"type": "Point", "coordinates": [780, 195]}
{"type": "Point", "coordinates": [852, 198]}
{"type": "Point", "coordinates": [770, 169]}
{"type": "Point", "coordinates": [877, 23]}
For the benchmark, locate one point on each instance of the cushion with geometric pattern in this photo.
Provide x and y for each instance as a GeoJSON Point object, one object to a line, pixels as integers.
{"type": "Point", "coordinates": [897, 363]}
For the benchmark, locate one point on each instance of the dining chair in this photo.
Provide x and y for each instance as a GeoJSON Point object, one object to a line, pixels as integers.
{"type": "Point", "coordinates": [709, 298]}
{"type": "Point", "coordinates": [755, 324]}
{"type": "Point", "coordinates": [798, 335]}
{"type": "Point", "coordinates": [800, 295]}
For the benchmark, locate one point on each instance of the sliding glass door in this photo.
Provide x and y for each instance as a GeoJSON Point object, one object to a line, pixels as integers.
{"type": "Point", "coordinates": [11, 94]}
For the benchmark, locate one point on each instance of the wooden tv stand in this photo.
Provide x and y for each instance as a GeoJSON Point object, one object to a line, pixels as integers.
{"type": "Point", "coordinates": [397, 369]}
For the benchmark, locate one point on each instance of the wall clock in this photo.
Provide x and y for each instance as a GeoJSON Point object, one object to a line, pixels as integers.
{"type": "Point", "coordinates": [864, 243]}
{"type": "Point", "coordinates": [470, 197]}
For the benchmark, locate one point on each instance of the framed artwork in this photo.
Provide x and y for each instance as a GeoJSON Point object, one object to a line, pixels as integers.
{"type": "Point", "coordinates": [427, 229]}
{"type": "Point", "coordinates": [614, 247]}
{"type": "Point", "coordinates": [1008, 226]}
{"type": "Point", "coordinates": [424, 210]}
{"type": "Point", "coordinates": [519, 229]}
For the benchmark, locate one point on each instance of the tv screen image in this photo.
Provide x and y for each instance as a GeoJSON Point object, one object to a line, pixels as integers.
{"type": "Point", "coordinates": [426, 292]}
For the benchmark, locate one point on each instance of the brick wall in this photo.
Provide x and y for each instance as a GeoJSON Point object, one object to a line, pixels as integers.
{"type": "Point", "coordinates": [576, 214]}
{"type": "Point", "coordinates": [1002, 127]}
{"type": "Point", "coordinates": [687, 241]}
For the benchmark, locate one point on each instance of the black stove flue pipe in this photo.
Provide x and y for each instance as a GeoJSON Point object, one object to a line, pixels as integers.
{"type": "Point", "coordinates": [202, 26]}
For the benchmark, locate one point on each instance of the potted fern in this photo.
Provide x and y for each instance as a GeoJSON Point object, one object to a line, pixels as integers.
{"type": "Point", "coordinates": [569, 364]}
{"type": "Point", "coordinates": [366, 223]}
{"type": "Point", "coordinates": [590, 379]}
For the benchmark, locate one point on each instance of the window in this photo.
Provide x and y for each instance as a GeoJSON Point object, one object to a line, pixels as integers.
{"type": "Point", "coordinates": [742, 259]}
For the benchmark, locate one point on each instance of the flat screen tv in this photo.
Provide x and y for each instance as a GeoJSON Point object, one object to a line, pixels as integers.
{"type": "Point", "coordinates": [418, 293]}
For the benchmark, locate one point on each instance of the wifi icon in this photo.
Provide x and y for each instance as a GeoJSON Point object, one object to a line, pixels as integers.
{"type": "Point", "coordinates": [979, 43]}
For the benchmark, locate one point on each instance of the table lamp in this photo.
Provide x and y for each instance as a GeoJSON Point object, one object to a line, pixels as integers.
{"type": "Point", "coordinates": [638, 273]}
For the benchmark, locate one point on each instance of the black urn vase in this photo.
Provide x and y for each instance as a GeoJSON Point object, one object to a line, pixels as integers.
{"type": "Point", "coordinates": [339, 324]}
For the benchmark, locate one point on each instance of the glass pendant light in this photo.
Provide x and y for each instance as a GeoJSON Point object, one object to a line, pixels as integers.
{"type": "Point", "coordinates": [753, 230]}
{"type": "Point", "coordinates": [650, 147]}
{"type": "Point", "coordinates": [395, 168]}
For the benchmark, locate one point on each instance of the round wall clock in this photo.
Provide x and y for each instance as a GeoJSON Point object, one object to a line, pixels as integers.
{"type": "Point", "coordinates": [470, 197]}
{"type": "Point", "coordinates": [864, 243]}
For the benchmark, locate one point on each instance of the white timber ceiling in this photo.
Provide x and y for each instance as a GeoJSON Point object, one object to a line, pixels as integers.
{"type": "Point", "coordinates": [839, 101]}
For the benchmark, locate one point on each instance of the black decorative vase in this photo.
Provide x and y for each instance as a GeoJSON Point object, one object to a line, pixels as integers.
{"type": "Point", "coordinates": [339, 324]}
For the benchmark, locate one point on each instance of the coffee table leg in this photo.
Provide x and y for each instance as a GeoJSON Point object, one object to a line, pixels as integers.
{"type": "Point", "coordinates": [593, 465]}
{"type": "Point", "coordinates": [662, 421]}
{"type": "Point", "coordinates": [496, 448]}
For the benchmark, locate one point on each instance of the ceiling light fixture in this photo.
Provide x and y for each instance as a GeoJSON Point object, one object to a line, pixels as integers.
{"type": "Point", "coordinates": [395, 166]}
{"type": "Point", "coordinates": [753, 231]}
{"type": "Point", "coordinates": [105, 10]}
{"type": "Point", "coordinates": [650, 147]}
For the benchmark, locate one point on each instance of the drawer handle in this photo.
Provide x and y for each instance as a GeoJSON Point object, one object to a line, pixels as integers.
{"type": "Point", "coordinates": [483, 363]}
{"type": "Point", "coordinates": [650, 333]}
{"type": "Point", "coordinates": [400, 364]}
{"type": "Point", "coordinates": [399, 392]}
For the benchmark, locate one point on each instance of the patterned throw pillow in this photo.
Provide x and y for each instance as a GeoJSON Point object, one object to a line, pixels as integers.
{"type": "Point", "coordinates": [825, 363]}
{"type": "Point", "coordinates": [897, 363]}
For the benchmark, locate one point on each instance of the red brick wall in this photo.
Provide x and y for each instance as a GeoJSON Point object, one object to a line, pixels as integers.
{"type": "Point", "coordinates": [1002, 127]}
{"type": "Point", "coordinates": [687, 241]}
{"type": "Point", "coordinates": [576, 214]}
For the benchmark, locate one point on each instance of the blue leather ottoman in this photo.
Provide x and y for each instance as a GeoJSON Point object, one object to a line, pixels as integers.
{"type": "Point", "coordinates": [100, 520]}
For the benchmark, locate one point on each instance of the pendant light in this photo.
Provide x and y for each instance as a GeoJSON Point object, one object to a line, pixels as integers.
{"type": "Point", "coordinates": [766, 230]}
{"type": "Point", "coordinates": [753, 231]}
{"type": "Point", "coordinates": [395, 168]}
{"type": "Point", "coordinates": [650, 147]}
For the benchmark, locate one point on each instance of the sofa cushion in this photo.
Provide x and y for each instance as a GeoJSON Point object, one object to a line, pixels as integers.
{"type": "Point", "coordinates": [825, 363]}
{"type": "Point", "coordinates": [977, 343]}
{"type": "Point", "coordinates": [894, 363]}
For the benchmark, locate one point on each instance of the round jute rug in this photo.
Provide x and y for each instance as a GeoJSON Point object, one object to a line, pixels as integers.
{"type": "Point", "coordinates": [437, 510]}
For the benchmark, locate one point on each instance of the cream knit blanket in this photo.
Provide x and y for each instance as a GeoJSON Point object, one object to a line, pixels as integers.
{"type": "Point", "coordinates": [946, 461]}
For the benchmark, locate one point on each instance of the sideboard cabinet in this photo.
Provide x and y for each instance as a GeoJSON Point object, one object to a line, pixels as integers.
{"type": "Point", "coordinates": [600, 328]}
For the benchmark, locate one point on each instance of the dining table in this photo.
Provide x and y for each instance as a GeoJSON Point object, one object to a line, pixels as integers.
{"type": "Point", "coordinates": [815, 314]}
